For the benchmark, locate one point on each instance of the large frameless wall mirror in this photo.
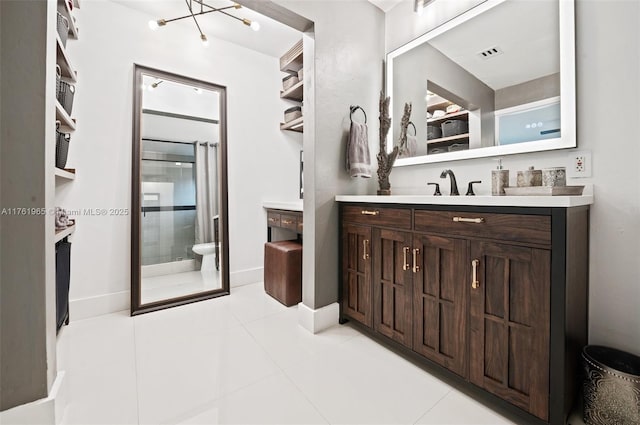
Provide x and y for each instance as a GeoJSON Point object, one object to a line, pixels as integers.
{"type": "Point", "coordinates": [179, 191]}
{"type": "Point", "coordinates": [498, 79]}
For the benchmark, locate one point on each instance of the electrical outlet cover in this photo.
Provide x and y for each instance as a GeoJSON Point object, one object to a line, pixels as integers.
{"type": "Point", "coordinates": [579, 164]}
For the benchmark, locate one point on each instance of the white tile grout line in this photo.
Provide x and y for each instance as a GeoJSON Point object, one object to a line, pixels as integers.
{"type": "Point", "coordinates": [434, 404]}
{"type": "Point", "coordinates": [284, 373]}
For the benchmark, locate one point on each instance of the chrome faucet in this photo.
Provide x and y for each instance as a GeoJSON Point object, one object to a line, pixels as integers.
{"type": "Point", "coordinates": [452, 177]}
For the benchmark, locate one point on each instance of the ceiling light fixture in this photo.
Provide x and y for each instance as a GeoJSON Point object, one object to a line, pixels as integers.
{"type": "Point", "coordinates": [154, 25]}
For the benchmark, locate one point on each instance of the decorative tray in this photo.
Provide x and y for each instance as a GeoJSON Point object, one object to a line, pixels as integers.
{"type": "Point", "coordinates": [544, 191]}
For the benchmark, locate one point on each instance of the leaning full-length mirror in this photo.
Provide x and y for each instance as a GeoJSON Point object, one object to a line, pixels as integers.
{"type": "Point", "coordinates": [179, 191]}
{"type": "Point", "coordinates": [498, 79]}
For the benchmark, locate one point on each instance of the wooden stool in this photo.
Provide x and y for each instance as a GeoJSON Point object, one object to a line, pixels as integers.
{"type": "Point", "coordinates": [283, 271]}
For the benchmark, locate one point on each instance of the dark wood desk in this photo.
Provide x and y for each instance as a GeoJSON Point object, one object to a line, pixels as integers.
{"type": "Point", "coordinates": [284, 219]}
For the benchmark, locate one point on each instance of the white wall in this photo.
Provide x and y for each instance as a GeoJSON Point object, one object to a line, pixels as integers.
{"type": "Point", "coordinates": [263, 161]}
{"type": "Point", "coordinates": [608, 85]}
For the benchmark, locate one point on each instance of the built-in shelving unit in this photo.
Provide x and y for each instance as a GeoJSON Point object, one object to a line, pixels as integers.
{"type": "Point", "coordinates": [63, 233]}
{"type": "Point", "coordinates": [448, 139]}
{"type": "Point", "coordinates": [291, 63]}
{"type": "Point", "coordinates": [62, 59]}
{"type": "Point", "coordinates": [67, 124]}
{"type": "Point", "coordinates": [64, 176]}
{"type": "Point", "coordinates": [65, 10]}
{"type": "Point", "coordinates": [293, 125]}
{"type": "Point", "coordinates": [67, 173]}
{"type": "Point", "coordinates": [440, 120]}
{"type": "Point", "coordinates": [293, 93]}
{"type": "Point", "coordinates": [445, 144]}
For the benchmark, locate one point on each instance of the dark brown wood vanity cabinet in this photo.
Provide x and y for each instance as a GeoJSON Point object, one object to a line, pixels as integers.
{"type": "Point", "coordinates": [494, 298]}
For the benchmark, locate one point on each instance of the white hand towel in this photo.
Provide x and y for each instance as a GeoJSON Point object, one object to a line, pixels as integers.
{"type": "Point", "coordinates": [358, 158]}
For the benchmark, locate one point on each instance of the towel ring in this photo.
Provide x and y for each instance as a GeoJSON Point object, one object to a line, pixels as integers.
{"type": "Point", "coordinates": [355, 108]}
{"type": "Point", "coordinates": [415, 131]}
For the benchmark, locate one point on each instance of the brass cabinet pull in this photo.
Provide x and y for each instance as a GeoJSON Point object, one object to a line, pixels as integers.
{"type": "Point", "coordinates": [475, 284]}
{"type": "Point", "coordinates": [468, 220]}
{"type": "Point", "coordinates": [287, 221]}
{"type": "Point", "coordinates": [416, 267]}
{"type": "Point", "coordinates": [405, 251]}
{"type": "Point", "coordinates": [365, 249]}
{"type": "Point", "coordinates": [365, 212]}
{"type": "Point", "coordinates": [273, 220]}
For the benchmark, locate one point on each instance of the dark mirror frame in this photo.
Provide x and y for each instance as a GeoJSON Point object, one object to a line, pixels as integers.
{"type": "Point", "coordinates": [136, 270]}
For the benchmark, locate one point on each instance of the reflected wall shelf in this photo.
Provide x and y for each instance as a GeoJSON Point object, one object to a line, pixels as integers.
{"type": "Point", "coordinates": [461, 114]}
{"type": "Point", "coordinates": [61, 234]}
{"type": "Point", "coordinates": [448, 139]}
{"type": "Point", "coordinates": [292, 61]}
{"type": "Point", "coordinates": [67, 124]}
{"type": "Point", "coordinates": [293, 125]}
{"type": "Point", "coordinates": [67, 173]}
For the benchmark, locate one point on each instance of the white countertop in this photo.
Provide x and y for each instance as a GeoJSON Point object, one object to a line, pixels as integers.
{"type": "Point", "coordinates": [502, 201]}
{"type": "Point", "coordinates": [282, 205]}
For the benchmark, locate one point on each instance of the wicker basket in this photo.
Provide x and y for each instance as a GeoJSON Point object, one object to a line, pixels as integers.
{"type": "Point", "coordinates": [62, 148]}
{"type": "Point", "coordinates": [436, 149]}
{"type": "Point", "coordinates": [292, 113]}
{"type": "Point", "coordinates": [289, 81]}
{"type": "Point", "coordinates": [62, 25]}
{"type": "Point", "coordinates": [433, 132]}
{"type": "Point", "coordinates": [458, 147]}
{"type": "Point", "coordinates": [65, 95]}
{"type": "Point", "coordinates": [454, 127]}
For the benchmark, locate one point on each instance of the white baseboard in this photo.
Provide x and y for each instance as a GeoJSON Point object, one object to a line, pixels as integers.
{"type": "Point", "coordinates": [245, 277]}
{"type": "Point", "coordinates": [318, 320]}
{"type": "Point", "coordinates": [84, 308]}
{"type": "Point", "coordinates": [168, 268]}
{"type": "Point", "coordinates": [46, 411]}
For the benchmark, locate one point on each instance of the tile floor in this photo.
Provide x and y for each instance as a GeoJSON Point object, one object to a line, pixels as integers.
{"type": "Point", "coordinates": [162, 287]}
{"type": "Point", "coordinates": [243, 359]}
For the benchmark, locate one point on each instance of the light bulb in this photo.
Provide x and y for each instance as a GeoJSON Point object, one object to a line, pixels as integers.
{"type": "Point", "coordinates": [153, 25]}
{"type": "Point", "coordinates": [204, 40]}
{"type": "Point", "coordinates": [255, 26]}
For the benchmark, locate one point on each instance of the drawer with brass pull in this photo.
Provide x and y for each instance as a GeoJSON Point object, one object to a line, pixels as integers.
{"type": "Point", "coordinates": [509, 227]}
{"type": "Point", "coordinates": [273, 219]}
{"type": "Point", "coordinates": [396, 217]}
{"type": "Point", "coordinates": [289, 221]}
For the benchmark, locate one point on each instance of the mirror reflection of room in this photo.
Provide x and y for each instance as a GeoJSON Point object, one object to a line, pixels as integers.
{"type": "Point", "coordinates": [180, 237]}
{"type": "Point", "coordinates": [491, 80]}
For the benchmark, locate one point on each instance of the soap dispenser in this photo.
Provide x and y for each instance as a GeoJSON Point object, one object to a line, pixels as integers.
{"type": "Point", "coordinates": [499, 180]}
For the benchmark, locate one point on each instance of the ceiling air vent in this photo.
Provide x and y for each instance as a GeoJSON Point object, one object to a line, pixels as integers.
{"type": "Point", "coordinates": [490, 52]}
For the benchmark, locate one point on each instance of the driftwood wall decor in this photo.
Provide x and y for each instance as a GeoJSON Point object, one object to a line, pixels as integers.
{"type": "Point", "coordinates": [387, 159]}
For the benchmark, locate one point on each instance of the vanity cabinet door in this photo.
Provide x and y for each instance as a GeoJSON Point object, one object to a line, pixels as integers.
{"type": "Point", "coordinates": [440, 300]}
{"type": "Point", "coordinates": [509, 323]}
{"type": "Point", "coordinates": [356, 273]}
{"type": "Point", "coordinates": [392, 290]}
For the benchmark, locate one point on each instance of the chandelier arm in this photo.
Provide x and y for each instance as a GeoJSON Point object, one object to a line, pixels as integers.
{"type": "Point", "coordinates": [198, 14]}
{"type": "Point", "coordinates": [193, 16]}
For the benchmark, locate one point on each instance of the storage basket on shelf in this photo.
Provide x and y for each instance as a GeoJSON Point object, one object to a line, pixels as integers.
{"type": "Point", "coordinates": [436, 149]}
{"type": "Point", "coordinates": [62, 147]}
{"type": "Point", "coordinates": [292, 113]}
{"type": "Point", "coordinates": [611, 386]}
{"type": "Point", "coordinates": [289, 81]}
{"type": "Point", "coordinates": [65, 95]}
{"type": "Point", "coordinates": [454, 127]}
{"type": "Point", "coordinates": [62, 25]}
{"type": "Point", "coordinates": [458, 147]}
{"type": "Point", "coordinates": [433, 132]}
